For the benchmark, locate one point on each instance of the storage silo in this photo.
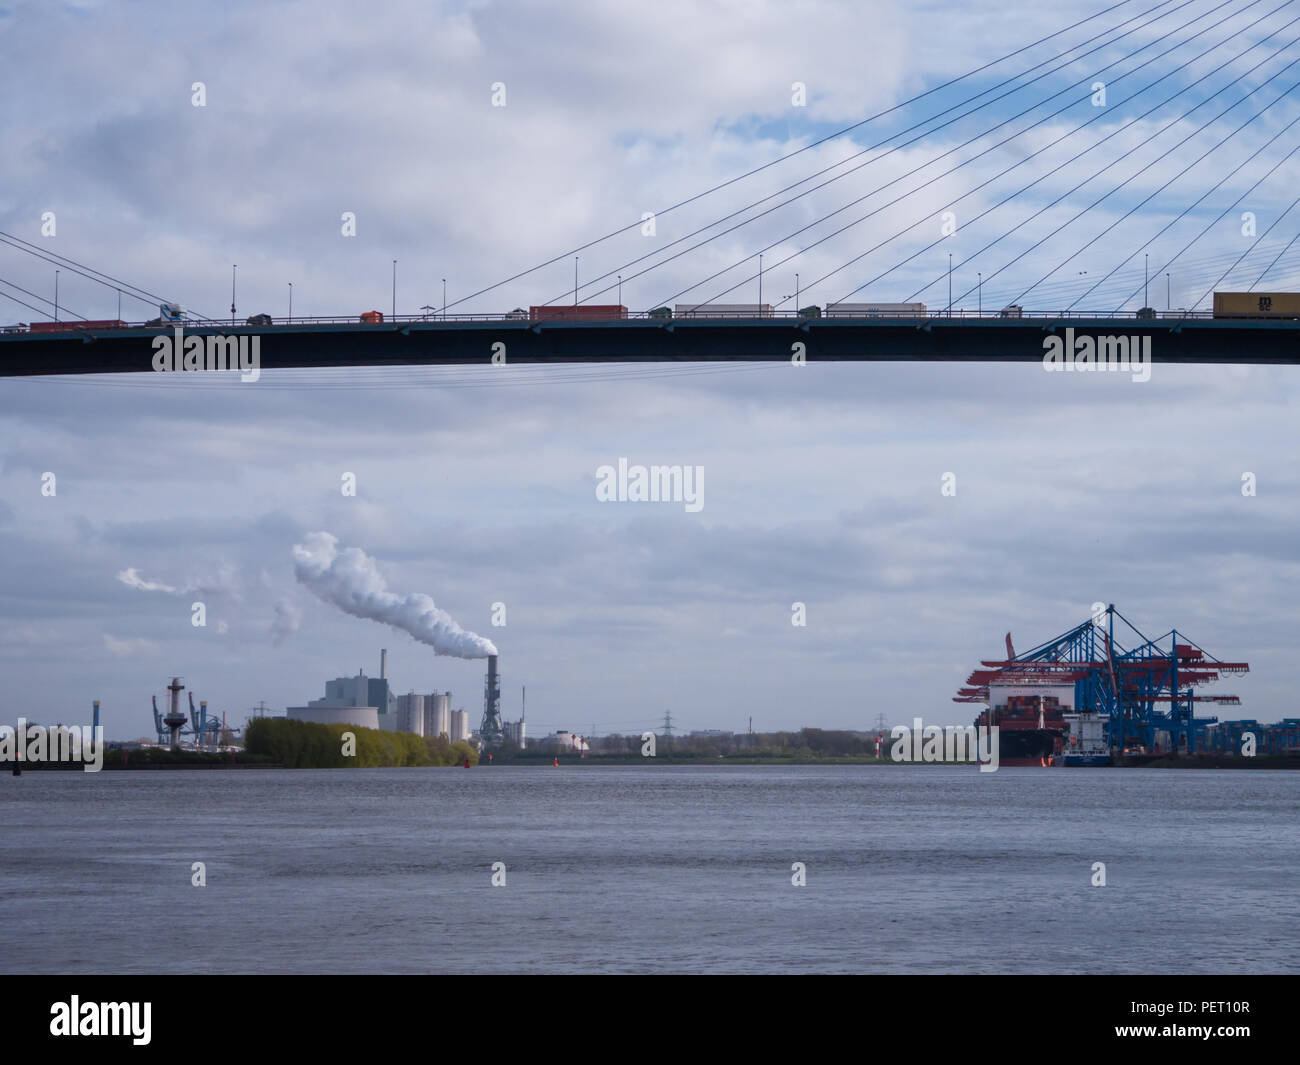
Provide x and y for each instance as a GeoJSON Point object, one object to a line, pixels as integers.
{"type": "Point", "coordinates": [437, 714]}
{"type": "Point", "coordinates": [459, 725]}
{"type": "Point", "coordinates": [411, 713]}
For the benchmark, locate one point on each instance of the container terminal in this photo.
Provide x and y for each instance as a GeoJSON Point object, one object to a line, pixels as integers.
{"type": "Point", "coordinates": [1097, 696]}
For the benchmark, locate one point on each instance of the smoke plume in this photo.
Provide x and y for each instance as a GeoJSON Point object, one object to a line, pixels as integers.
{"type": "Point", "coordinates": [350, 580]}
{"type": "Point", "coordinates": [287, 619]}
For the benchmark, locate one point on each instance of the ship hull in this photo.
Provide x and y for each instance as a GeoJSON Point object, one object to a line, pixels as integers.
{"type": "Point", "coordinates": [1026, 746]}
{"type": "Point", "coordinates": [1030, 730]}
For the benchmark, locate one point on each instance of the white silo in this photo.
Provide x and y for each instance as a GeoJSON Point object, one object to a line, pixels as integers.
{"type": "Point", "coordinates": [459, 725]}
{"type": "Point", "coordinates": [410, 713]}
{"type": "Point", "coordinates": [437, 714]}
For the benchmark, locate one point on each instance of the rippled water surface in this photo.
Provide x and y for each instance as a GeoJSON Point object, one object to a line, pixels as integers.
{"type": "Point", "coordinates": [635, 869]}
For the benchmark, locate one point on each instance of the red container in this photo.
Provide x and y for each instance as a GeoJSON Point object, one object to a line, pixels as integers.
{"type": "Point", "coordinates": [583, 313]}
{"type": "Point", "coordinates": [58, 327]}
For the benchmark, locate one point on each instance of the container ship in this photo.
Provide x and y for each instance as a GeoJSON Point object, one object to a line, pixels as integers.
{"type": "Point", "coordinates": [1030, 729]}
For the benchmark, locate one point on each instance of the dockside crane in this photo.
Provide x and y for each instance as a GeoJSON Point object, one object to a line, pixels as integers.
{"type": "Point", "coordinates": [1139, 685]}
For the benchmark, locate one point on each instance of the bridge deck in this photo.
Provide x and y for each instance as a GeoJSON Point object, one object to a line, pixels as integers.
{"type": "Point", "coordinates": [431, 342]}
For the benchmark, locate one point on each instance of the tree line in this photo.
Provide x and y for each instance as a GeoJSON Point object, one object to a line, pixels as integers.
{"type": "Point", "coordinates": [309, 745]}
{"type": "Point", "coordinates": [808, 744]}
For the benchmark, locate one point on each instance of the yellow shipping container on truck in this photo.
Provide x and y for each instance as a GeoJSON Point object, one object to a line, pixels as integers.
{"type": "Point", "coordinates": [1257, 305]}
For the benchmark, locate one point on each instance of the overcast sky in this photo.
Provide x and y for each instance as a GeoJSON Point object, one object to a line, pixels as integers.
{"type": "Point", "coordinates": [476, 485]}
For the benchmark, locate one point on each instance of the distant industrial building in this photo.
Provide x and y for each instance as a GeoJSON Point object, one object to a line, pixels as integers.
{"type": "Point", "coordinates": [563, 740]}
{"type": "Point", "coordinates": [359, 691]}
{"type": "Point", "coordinates": [517, 731]}
{"type": "Point", "coordinates": [362, 701]}
{"type": "Point", "coordinates": [346, 691]}
{"type": "Point", "coordinates": [369, 702]}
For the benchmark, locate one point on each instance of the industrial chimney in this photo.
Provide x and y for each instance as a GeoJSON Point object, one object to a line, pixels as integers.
{"type": "Point", "coordinates": [490, 731]}
{"type": "Point", "coordinates": [383, 663]}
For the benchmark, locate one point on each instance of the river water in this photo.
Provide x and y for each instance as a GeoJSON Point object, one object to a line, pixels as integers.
{"type": "Point", "coordinates": [651, 869]}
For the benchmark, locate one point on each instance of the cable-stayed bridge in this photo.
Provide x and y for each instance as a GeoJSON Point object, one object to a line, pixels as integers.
{"type": "Point", "coordinates": [1042, 196]}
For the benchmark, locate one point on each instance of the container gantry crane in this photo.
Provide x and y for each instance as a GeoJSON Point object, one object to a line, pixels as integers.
{"type": "Point", "coordinates": [1139, 685]}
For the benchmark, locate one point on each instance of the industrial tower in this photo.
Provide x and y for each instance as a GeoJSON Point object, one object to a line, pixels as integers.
{"type": "Point", "coordinates": [175, 720]}
{"type": "Point", "coordinates": [491, 732]}
{"type": "Point", "coordinates": [1138, 689]}
{"type": "Point", "coordinates": [171, 728]}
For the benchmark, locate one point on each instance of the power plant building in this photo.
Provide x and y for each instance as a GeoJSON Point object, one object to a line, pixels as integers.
{"type": "Point", "coordinates": [357, 716]}
{"type": "Point", "coordinates": [347, 702]}
{"type": "Point", "coordinates": [381, 695]}
{"type": "Point", "coordinates": [347, 691]}
{"type": "Point", "coordinates": [369, 702]}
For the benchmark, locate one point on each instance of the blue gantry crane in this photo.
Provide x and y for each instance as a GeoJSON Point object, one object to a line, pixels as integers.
{"type": "Point", "coordinates": [204, 731]}
{"type": "Point", "coordinates": [1139, 685]}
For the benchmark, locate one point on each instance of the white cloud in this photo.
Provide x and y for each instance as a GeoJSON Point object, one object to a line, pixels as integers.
{"type": "Point", "coordinates": [132, 579]}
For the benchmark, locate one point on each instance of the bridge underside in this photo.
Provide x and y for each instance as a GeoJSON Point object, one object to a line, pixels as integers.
{"type": "Point", "coordinates": [132, 350]}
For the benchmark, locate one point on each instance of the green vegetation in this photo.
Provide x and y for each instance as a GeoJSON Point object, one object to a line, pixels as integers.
{"type": "Point", "coordinates": [807, 746]}
{"type": "Point", "coordinates": [307, 745]}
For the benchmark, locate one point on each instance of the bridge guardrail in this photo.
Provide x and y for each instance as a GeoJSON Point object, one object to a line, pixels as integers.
{"type": "Point", "coordinates": [508, 319]}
